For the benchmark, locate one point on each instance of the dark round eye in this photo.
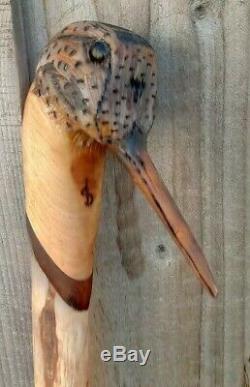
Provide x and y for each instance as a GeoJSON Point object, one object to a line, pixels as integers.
{"type": "Point", "coordinates": [99, 51]}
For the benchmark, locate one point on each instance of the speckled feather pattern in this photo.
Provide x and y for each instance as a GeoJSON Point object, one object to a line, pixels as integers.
{"type": "Point", "coordinates": [106, 100]}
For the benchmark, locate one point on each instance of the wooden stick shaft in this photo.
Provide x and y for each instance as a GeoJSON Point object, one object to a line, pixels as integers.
{"type": "Point", "coordinates": [60, 337]}
{"type": "Point", "coordinates": [63, 186]}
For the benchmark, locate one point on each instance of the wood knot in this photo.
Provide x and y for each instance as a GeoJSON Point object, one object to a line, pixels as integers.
{"type": "Point", "coordinates": [199, 9]}
{"type": "Point", "coordinates": [161, 251]}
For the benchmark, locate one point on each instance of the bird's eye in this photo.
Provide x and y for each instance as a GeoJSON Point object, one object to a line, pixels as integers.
{"type": "Point", "coordinates": [99, 51]}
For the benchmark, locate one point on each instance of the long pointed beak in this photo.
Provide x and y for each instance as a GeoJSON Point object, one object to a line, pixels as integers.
{"type": "Point", "coordinates": [147, 179]}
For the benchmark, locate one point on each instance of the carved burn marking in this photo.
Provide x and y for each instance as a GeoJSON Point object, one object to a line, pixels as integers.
{"type": "Point", "coordinates": [49, 339]}
{"type": "Point", "coordinates": [85, 192]}
{"type": "Point", "coordinates": [86, 180]}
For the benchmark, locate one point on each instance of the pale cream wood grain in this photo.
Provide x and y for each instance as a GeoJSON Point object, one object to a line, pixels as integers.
{"type": "Point", "coordinates": [65, 226]}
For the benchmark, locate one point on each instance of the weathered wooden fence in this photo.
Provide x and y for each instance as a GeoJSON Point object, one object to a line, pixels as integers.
{"type": "Point", "coordinates": [145, 296]}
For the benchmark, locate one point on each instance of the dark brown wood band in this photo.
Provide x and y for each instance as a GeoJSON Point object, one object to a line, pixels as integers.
{"type": "Point", "coordinates": [74, 292]}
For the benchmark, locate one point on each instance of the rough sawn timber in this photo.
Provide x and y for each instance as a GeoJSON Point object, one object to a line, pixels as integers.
{"type": "Point", "coordinates": [144, 295]}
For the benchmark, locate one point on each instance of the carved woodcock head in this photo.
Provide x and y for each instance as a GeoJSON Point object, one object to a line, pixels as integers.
{"type": "Point", "coordinates": [100, 79]}
{"type": "Point", "coordinates": [98, 83]}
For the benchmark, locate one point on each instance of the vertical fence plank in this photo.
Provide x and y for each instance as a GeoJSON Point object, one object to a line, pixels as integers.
{"type": "Point", "coordinates": [145, 295]}
{"type": "Point", "coordinates": [207, 22]}
{"type": "Point", "coordinates": [236, 30]}
{"type": "Point", "coordinates": [15, 316]}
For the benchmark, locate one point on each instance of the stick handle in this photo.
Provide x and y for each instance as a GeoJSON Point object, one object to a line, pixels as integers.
{"type": "Point", "coordinates": [63, 188]}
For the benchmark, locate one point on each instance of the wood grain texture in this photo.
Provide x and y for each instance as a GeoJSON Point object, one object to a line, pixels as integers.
{"type": "Point", "coordinates": [200, 142]}
{"type": "Point", "coordinates": [60, 357]}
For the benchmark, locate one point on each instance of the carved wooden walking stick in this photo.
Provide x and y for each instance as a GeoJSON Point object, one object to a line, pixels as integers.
{"type": "Point", "coordinates": [94, 90]}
